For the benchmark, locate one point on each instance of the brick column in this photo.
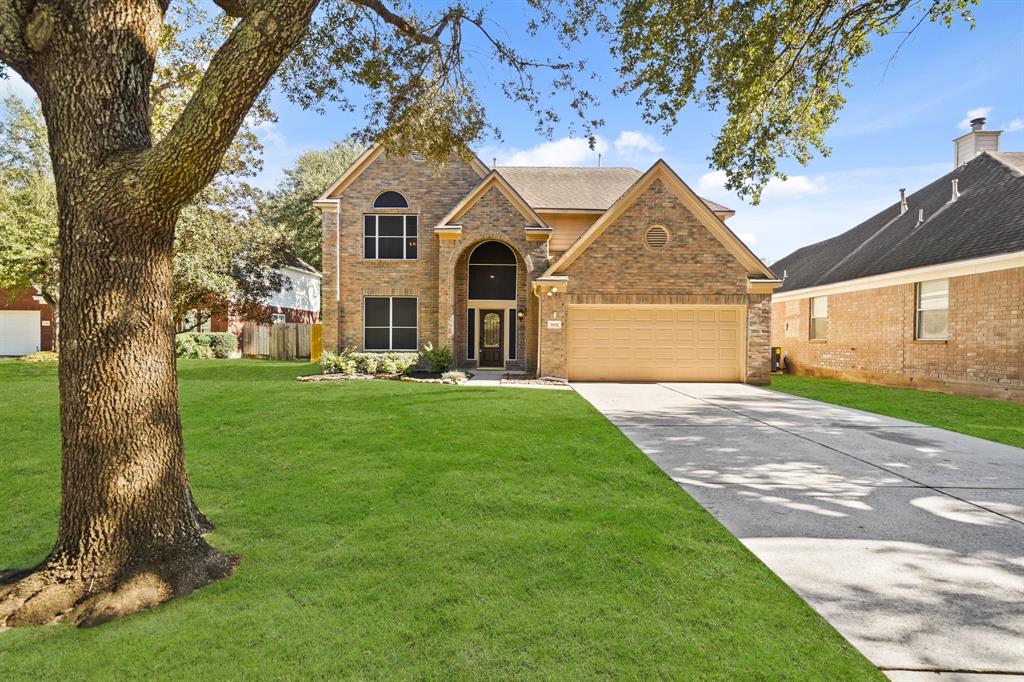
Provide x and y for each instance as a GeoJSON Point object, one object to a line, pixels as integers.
{"type": "Point", "coordinates": [553, 328]}
{"type": "Point", "coordinates": [447, 250]}
{"type": "Point", "coordinates": [759, 328]}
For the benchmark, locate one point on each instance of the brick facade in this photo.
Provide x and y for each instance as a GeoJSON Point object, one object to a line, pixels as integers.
{"type": "Point", "coordinates": [26, 299]}
{"type": "Point", "coordinates": [695, 268]}
{"type": "Point", "coordinates": [871, 337]}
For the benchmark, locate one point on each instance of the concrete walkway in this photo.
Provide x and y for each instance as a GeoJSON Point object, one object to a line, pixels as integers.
{"type": "Point", "coordinates": [907, 538]}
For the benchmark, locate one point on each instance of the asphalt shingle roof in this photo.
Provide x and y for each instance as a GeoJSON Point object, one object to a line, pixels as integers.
{"type": "Point", "coordinates": [986, 220]}
{"type": "Point", "coordinates": [549, 187]}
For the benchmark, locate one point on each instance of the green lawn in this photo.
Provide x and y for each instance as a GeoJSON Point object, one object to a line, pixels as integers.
{"type": "Point", "coordinates": [405, 531]}
{"type": "Point", "coordinates": [996, 420]}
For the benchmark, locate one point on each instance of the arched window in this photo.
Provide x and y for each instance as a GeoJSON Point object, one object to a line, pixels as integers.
{"type": "Point", "coordinates": [492, 272]}
{"type": "Point", "coordinates": [390, 200]}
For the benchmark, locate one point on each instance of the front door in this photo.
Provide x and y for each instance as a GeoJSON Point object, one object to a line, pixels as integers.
{"type": "Point", "coordinates": [492, 338]}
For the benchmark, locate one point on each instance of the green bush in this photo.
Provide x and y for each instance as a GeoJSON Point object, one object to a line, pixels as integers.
{"type": "Point", "coordinates": [350, 362]}
{"type": "Point", "coordinates": [440, 360]}
{"type": "Point", "coordinates": [205, 345]}
{"type": "Point", "coordinates": [336, 363]}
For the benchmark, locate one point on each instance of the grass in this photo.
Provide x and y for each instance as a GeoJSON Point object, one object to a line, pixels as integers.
{"type": "Point", "coordinates": [997, 420]}
{"type": "Point", "coordinates": [403, 531]}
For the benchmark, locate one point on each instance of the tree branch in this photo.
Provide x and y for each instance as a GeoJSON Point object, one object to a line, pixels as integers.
{"type": "Point", "coordinates": [190, 154]}
{"type": "Point", "coordinates": [233, 8]}
{"type": "Point", "coordinates": [14, 50]}
{"type": "Point", "coordinates": [404, 26]}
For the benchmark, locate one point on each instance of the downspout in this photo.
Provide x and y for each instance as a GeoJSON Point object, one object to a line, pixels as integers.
{"type": "Point", "coordinates": [540, 318]}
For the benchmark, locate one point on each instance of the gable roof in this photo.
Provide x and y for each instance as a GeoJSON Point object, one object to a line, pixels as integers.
{"type": "Point", "coordinates": [363, 162]}
{"type": "Point", "coordinates": [577, 188]}
{"type": "Point", "coordinates": [496, 180]}
{"type": "Point", "coordinates": [987, 219]}
{"type": "Point", "coordinates": [699, 208]}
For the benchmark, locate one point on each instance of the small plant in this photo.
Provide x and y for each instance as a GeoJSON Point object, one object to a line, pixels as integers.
{"type": "Point", "coordinates": [440, 360]}
{"type": "Point", "coordinates": [454, 376]}
{"type": "Point", "coordinates": [205, 345]}
{"type": "Point", "coordinates": [366, 363]}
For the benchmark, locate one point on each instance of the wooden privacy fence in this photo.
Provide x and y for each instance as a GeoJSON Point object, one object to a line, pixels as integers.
{"type": "Point", "coordinates": [283, 341]}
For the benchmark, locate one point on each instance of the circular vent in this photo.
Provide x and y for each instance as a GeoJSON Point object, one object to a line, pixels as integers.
{"type": "Point", "coordinates": [656, 237]}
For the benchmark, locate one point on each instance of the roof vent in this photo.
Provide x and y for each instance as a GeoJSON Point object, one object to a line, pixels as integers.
{"type": "Point", "coordinates": [656, 237]}
{"type": "Point", "coordinates": [956, 190]}
{"type": "Point", "coordinates": [920, 217]}
{"type": "Point", "coordinates": [978, 123]}
{"type": "Point", "coordinates": [903, 200]}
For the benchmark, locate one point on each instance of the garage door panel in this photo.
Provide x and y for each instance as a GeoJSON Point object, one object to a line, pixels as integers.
{"type": "Point", "coordinates": [19, 332]}
{"type": "Point", "coordinates": [655, 343]}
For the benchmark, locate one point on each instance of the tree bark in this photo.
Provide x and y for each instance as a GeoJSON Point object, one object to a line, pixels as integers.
{"type": "Point", "coordinates": [130, 534]}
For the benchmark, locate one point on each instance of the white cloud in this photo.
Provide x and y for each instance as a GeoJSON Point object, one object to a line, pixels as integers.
{"type": "Point", "coordinates": [748, 238]}
{"type": "Point", "coordinates": [973, 113]}
{"type": "Point", "coordinates": [794, 186]}
{"type": "Point", "coordinates": [1014, 125]}
{"type": "Point", "coordinates": [568, 151]}
{"type": "Point", "coordinates": [634, 145]}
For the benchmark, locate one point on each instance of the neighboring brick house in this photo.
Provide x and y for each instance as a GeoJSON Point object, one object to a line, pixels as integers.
{"type": "Point", "coordinates": [928, 293]}
{"type": "Point", "coordinates": [26, 322]}
{"type": "Point", "coordinates": [581, 273]}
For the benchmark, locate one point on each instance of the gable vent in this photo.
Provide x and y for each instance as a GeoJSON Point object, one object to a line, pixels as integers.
{"type": "Point", "coordinates": [656, 237]}
{"type": "Point", "coordinates": [416, 156]}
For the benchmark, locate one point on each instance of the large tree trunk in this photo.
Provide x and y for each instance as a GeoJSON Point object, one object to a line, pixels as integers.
{"type": "Point", "coordinates": [130, 533]}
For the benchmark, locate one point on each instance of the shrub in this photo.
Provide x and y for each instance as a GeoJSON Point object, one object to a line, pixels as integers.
{"type": "Point", "coordinates": [336, 363]}
{"type": "Point", "coordinates": [440, 360]}
{"type": "Point", "coordinates": [454, 376]}
{"type": "Point", "coordinates": [205, 345]}
{"type": "Point", "coordinates": [350, 362]}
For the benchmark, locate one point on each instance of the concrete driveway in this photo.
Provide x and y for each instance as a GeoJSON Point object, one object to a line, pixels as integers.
{"type": "Point", "coordinates": [907, 538]}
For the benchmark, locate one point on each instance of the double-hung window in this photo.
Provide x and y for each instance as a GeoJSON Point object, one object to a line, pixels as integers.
{"type": "Point", "coordinates": [389, 323]}
{"type": "Point", "coordinates": [933, 309]}
{"type": "Point", "coordinates": [819, 317]}
{"type": "Point", "coordinates": [389, 237]}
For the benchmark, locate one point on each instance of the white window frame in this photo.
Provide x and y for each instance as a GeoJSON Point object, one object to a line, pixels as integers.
{"type": "Point", "coordinates": [918, 310]}
{"type": "Point", "coordinates": [391, 327]}
{"type": "Point", "coordinates": [812, 334]}
{"type": "Point", "coordinates": [405, 235]}
{"type": "Point", "coordinates": [278, 318]}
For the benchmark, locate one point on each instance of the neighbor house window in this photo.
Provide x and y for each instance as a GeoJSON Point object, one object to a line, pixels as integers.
{"type": "Point", "coordinates": [819, 317]}
{"type": "Point", "coordinates": [389, 323]}
{"type": "Point", "coordinates": [933, 309]}
{"type": "Point", "coordinates": [277, 318]}
{"type": "Point", "coordinates": [389, 237]}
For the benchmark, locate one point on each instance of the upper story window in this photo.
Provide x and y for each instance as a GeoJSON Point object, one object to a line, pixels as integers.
{"type": "Point", "coordinates": [389, 237]}
{"type": "Point", "coordinates": [492, 272]}
{"type": "Point", "coordinates": [933, 309]}
{"type": "Point", "coordinates": [390, 200]}
{"type": "Point", "coordinates": [819, 317]}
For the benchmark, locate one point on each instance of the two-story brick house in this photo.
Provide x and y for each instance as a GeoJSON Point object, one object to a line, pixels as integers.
{"type": "Point", "coordinates": [583, 273]}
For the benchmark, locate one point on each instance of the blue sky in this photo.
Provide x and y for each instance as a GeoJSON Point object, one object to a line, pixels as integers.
{"type": "Point", "coordinates": [896, 130]}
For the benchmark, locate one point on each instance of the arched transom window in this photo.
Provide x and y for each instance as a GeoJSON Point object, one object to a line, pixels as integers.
{"type": "Point", "coordinates": [390, 199]}
{"type": "Point", "coordinates": [492, 273]}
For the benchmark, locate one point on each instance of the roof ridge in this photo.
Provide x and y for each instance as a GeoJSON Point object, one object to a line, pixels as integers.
{"type": "Point", "coordinates": [1017, 172]}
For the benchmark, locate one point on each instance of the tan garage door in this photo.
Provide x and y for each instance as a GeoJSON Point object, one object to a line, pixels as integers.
{"type": "Point", "coordinates": [655, 343]}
